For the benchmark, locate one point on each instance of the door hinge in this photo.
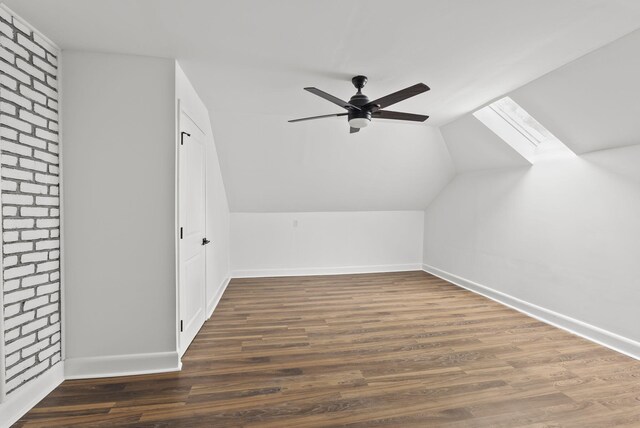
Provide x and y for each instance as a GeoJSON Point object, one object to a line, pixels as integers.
{"type": "Point", "coordinates": [182, 134]}
{"type": "Point", "coordinates": [181, 326]}
{"type": "Point", "coordinates": [181, 233]}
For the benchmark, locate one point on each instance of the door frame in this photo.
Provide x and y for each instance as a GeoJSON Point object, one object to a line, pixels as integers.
{"type": "Point", "coordinates": [180, 110]}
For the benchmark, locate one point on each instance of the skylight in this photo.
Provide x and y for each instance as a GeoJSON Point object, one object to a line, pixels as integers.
{"type": "Point", "coordinates": [521, 131]}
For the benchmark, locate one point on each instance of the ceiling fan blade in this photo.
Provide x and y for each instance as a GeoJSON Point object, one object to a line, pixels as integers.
{"type": "Point", "coordinates": [318, 117]}
{"type": "Point", "coordinates": [384, 114]}
{"type": "Point", "coordinates": [331, 98]}
{"type": "Point", "coordinates": [354, 130]}
{"type": "Point", "coordinates": [396, 97]}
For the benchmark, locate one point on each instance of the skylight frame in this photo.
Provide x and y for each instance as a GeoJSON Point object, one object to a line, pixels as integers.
{"type": "Point", "coordinates": [515, 126]}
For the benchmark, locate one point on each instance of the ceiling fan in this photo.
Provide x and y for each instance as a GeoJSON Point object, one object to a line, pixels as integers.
{"type": "Point", "coordinates": [360, 110]}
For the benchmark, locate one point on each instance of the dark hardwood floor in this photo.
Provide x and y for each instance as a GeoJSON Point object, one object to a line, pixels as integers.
{"type": "Point", "coordinates": [399, 350]}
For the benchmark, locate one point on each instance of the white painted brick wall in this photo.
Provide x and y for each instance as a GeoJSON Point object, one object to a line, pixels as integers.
{"type": "Point", "coordinates": [10, 237]}
{"type": "Point", "coordinates": [11, 310]}
{"type": "Point", "coordinates": [34, 188]}
{"type": "Point", "coordinates": [30, 235]}
{"type": "Point", "coordinates": [34, 280]}
{"type": "Point", "coordinates": [34, 325]}
{"type": "Point", "coordinates": [34, 212]}
{"type": "Point", "coordinates": [16, 173]}
{"type": "Point", "coordinates": [49, 331]}
{"type": "Point", "coordinates": [19, 320]}
{"type": "Point", "coordinates": [16, 381]}
{"type": "Point", "coordinates": [10, 186]}
{"type": "Point", "coordinates": [19, 343]}
{"type": "Point", "coordinates": [19, 272]}
{"type": "Point", "coordinates": [48, 245]}
{"type": "Point", "coordinates": [30, 201]}
{"type": "Point", "coordinates": [15, 199]}
{"type": "Point", "coordinates": [48, 289]}
{"type": "Point", "coordinates": [12, 359]}
{"type": "Point", "coordinates": [18, 247]}
{"type": "Point", "coordinates": [18, 223]}
{"type": "Point", "coordinates": [11, 285]}
{"type": "Point", "coordinates": [34, 303]}
{"type": "Point", "coordinates": [34, 257]}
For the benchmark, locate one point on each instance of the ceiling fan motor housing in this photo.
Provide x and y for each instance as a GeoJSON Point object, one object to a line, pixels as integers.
{"type": "Point", "coordinates": [359, 100]}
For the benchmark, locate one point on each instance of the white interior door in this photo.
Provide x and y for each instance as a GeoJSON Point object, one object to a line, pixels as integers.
{"type": "Point", "coordinates": [192, 221]}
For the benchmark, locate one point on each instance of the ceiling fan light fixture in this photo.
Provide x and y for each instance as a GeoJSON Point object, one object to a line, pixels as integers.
{"type": "Point", "coordinates": [359, 122]}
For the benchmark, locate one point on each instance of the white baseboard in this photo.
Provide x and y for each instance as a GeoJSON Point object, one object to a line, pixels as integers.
{"type": "Point", "coordinates": [590, 332]}
{"type": "Point", "coordinates": [343, 270]}
{"type": "Point", "coordinates": [19, 402]}
{"type": "Point", "coordinates": [213, 303]}
{"type": "Point", "coordinates": [121, 365]}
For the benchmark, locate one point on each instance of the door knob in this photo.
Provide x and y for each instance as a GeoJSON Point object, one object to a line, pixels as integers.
{"type": "Point", "coordinates": [205, 241]}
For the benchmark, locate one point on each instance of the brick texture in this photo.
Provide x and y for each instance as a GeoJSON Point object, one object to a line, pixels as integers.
{"type": "Point", "coordinates": [30, 202]}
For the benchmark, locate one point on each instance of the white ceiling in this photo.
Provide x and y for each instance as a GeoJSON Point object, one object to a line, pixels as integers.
{"type": "Point", "coordinates": [325, 169]}
{"type": "Point", "coordinates": [592, 103]}
{"type": "Point", "coordinates": [473, 146]}
{"type": "Point", "coordinates": [249, 60]}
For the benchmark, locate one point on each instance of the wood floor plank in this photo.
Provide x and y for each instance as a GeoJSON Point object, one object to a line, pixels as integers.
{"type": "Point", "coordinates": [375, 350]}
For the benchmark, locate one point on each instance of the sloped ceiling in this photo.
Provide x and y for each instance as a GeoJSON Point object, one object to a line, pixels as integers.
{"type": "Point", "coordinates": [473, 146]}
{"type": "Point", "coordinates": [589, 104]}
{"type": "Point", "coordinates": [592, 103]}
{"type": "Point", "coordinates": [312, 169]}
{"type": "Point", "coordinates": [250, 59]}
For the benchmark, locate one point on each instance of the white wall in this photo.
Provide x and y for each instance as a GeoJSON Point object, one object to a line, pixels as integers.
{"type": "Point", "coordinates": [119, 202]}
{"type": "Point", "coordinates": [265, 244]}
{"type": "Point", "coordinates": [217, 207]}
{"type": "Point", "coordinates": [561, 235]}
{"type": "Point", "coordinates": [120, 211]}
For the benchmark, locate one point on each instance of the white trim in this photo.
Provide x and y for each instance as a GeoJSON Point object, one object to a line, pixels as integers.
{"type": "Point", "coordinates": [121, 365]}
{"type": "Point", "coordinates": [176, 212]}
{"type": "Point", "coordinates": [213, 303]}
{"type": "Point", "coordinates": [590, 332]}
{"type": "Point", "coordinates": [25, 22]}
{"type": "Point", "coordinates": [23, 399]}
{"type": "Point", "coordinates": [342, 270]}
